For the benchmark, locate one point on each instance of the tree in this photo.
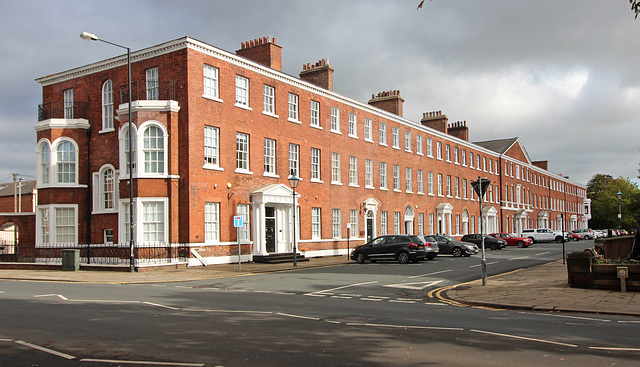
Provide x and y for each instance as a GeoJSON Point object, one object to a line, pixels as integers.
{"type": "Point", "coordinates": [635, 7]}
{"type": "Point", "coordinates": [602, 190]}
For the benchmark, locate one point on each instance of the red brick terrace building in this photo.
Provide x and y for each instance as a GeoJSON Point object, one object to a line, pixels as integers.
{"type": "Point", "coordinates": [217, 134]}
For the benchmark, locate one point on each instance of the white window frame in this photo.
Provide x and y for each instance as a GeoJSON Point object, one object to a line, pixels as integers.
{"type": "Point", "coordinates": [408, 180]}
{"type": "Point", "coordinates": [314, 114]}
{"type": "Point", "coordinates": [269, 100]}
{"type": "Point", "coordinates": [316, 155]}
{"type": "Point", "coordinates": [68, 103]}
{"type": "Point", "coordinates": [210, 82]}
{"type": "Point", "coordinates": [353, 171]}
{"type": "Point", "coordinates": [396, 177]}
{"type": "Point", "coordinates": [107, 106]}
{"type": "Point", "coordinates": [242, 152]}
{"type": "Point", "coordinates": [367, 130]}
{"type": "Point", "coordinates": [293, 108]}
{"type": "Point", "coordinates": [430, 183]}
{"type": "Point", "coordinates": [407, 141]}
{"type": "Point", "coordinates": [396, 223]}
{"type": "Point", "coordinates": [294, 160]}
{"type": "Point", "coordinates": [124, 151]}
{"type": "Point", "coordinates": [152, 84]}
{"type": "Point", "coordinates": [211, 222]}
{"type": "Point", "coordinates": [147, 156]}
{"type": "Point", "coordinates": [47, 224]}
{"type": "Point", "coordinates": [211, 147]}
{"type": "Point", "coordinates": [353, 125]}
{"type": "Point", "coordinates": [244, 232]}
{"type": "Point", "coordinates": [316, 223]}
{"type": "Point", "coordinates": [383, 176]}
{"type": "Point", "coordinates": [430, 147]}
{"type": "Point", "coordinates": [68, 160]}
{"type": "Point", "coordinates": [335, 169]}
{"type": "Point", "coordinates": [384, 223]}
{"type": "Point", "coordinates": [395, 137]}
{"type": "Point", "coordinates": [102, 192]}
{"type": "Point", "coordinates": [382, 133]}
{"type": "Point", "coordinates": [270, 157]}
{"type": "Point", "coordinates": [419, 145]}
{"type": "Point", "coordinates": [336, 223]}
{"type": "Point", "coordinates": [420, 178]}
{"type": "Point", "coordinates": [368, 173]}
{"type": "Point", "coordinates": [353, 219]}
{"type": "Point", "coordinates": [335, 120]}
{"type": "Point", "coordinates": [439, 150]}
{"type": "Point", "coordinates": [44, 163]}
{"type": "Point", "coordinates": [242, 92]}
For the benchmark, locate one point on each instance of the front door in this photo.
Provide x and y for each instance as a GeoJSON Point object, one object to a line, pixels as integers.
{"type": "Point", "coordinates": [369, 229]}
{"type": "Point", "coordinates": [270, 235]}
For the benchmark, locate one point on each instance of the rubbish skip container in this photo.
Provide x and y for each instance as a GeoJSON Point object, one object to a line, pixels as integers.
{"type": "Point", "coordinates": [70, 260]}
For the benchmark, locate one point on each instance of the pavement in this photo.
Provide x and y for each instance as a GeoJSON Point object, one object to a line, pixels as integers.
{"type": "Point", "coordinates": [540, 288]}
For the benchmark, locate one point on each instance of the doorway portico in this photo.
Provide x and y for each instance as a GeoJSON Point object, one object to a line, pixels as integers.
{"type": "Point", "coordinates": [272, 219]}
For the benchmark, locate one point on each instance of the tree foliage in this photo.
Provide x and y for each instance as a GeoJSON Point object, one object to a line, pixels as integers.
{"type": "Point", "coordinates": [635, 7]}
{"type": "Point", "coordinates": [602, 190]}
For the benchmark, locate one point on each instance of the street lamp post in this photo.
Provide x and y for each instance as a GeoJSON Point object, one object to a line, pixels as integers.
{"type": "Point", "coordinates": [293, 181]}
{"type": "Point", "coordinates": [92, 37]}
{"type": "Point", "coordinates": [619, 195]}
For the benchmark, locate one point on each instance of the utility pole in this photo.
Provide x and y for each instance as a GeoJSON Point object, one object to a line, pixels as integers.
{"type": "Point", "coordinates": [480, 187]}
{"type": "Point", "coordinates": [15, 192]}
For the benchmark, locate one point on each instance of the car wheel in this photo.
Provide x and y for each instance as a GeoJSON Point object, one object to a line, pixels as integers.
{"type": "Point", "coordinates": [533, 240]}
{"type": "Point", "coordinates": [587, 238]}
{"type": "Point", "coordinates": [361, 258]}
{"type": "Point", "coordinates": [403, 258]}
{"type": "Point", "coordinates": [559, 239]}
{"type": "Point", "coordinates": [576, 239]}
{"type": "Point", "coordinates": [456, 252]}
{"type": "Point", "coordinates": [494, 246]}
{"type": "Point", "coordinates": [520, 244]}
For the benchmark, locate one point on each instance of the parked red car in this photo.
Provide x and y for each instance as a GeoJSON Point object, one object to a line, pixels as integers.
{"type": "Point", "coordinates": [513, 240]}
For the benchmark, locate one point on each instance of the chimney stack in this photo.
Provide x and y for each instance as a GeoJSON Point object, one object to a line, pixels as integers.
{"type": "Point", "coordinates": [389, 101]}
{"type": "Point", "coordinates": [320, 74]}
{"type": "Point", "coordinates": [542, 164]}
{"type": "Point", "coordinates": [435, 120]}
{"type": "Point", "coordinates": [459, 129]}
{"type": "Point", "coordinates": [264, 51]}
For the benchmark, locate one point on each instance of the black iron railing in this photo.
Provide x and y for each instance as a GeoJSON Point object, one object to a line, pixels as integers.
{"type": "Point", "coordinates": [100, 254]}
{"type": "Point", "coordinates": [62, 110]}
{"type": "Point", "coordinates": [143, 90]}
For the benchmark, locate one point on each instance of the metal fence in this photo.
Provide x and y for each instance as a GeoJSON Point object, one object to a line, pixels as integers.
{"type": "Point", "coordinates": [60, 110]}
{"type": "Point", "coordinates": [143, 90]}
{"type": "Point", "coordinates": [100, 254]}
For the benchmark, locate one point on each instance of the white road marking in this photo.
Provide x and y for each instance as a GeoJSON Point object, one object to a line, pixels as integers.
{"type": "Point", "coordinates": [101, 301]}
{"type": "Point", "coordinates": [316, 295]}
{"type": "Point", "coordinates": [617, 349]}
{"type": "Point", "coordinates": [477, 265]}
{"type": "Point", "coordinates": [371, 299]}
{"type": "Point", "coordinates": [150, 363]}
{"type": "Point", "coordinates": [519, 258]}
{"type": "Point", "coordinates": [381, 297]}
{"type": "Point", "coordinates": [286, 293]}
{"type": "Point", "coordinates": [543, 253]}
{"type": "Point", "coordinates": [47, 350]}
{"type": "Point", "coordinates": [262, 291]}
{"type": "Point", "coordinates": [6, 340]}
{"type": "Point", "coordinates": [342, 287]}
{"type": "Point", "coordinates": [342, 297]}
{"type": "Point", "coordinates": [417, 286]}
{"type": "Point", "coordinates": [405, 326]}
{"type": "Point", "coordinates": [298, 316]}
{"type": "Point", "coordinates": [434, 273]}
{"type": "Point", "coordinates": [435, 304]}
{"type": "Point", "coordinates": [577, 317]}
{"type": "Point", "coordinates": [525, 338]}
{"type": "Point", "coordinates": [629, 322]}
{"type": "Point", "coordinates": [401, 301]}
{"type": "Point", "coordinates": [159, 305]}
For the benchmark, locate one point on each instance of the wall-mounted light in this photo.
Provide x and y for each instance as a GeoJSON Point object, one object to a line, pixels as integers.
{"type": "Point", "coordinates": [229, 194]}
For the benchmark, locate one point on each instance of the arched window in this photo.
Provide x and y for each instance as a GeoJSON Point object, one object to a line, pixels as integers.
{"type": "Point", "coordinates": [105, 190]}
{"type": "Point", "coordinates": [107, 105]}
{"type": "Point", "coordinates": [153, 150]}
{"type": "Point", "coordinates": [66, 162]}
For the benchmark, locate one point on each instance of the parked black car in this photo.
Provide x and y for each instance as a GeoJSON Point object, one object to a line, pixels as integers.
{"type": "Point", "coordinates": [449, 245]}
{"type": "Point", "coordinates": [402, 248]}
{"type": "Point", "coordinates": [489, 242]}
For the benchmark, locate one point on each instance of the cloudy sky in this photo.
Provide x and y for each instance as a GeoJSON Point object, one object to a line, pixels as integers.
{"type": "Point", "coordinates": [561, 75]}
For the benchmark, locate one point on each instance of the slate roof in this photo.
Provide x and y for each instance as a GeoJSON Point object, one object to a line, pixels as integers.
{"type": "Point", "coordinates": [499, 145]}
{"type": "Point", "coordinates": [6, 189]}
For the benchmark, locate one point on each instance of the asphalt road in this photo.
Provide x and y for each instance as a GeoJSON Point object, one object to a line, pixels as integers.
{"type": "Point", "coordinates": [357, 314]}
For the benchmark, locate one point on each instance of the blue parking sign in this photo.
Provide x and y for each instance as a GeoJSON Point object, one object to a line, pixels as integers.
{"type": "Point", "coordinates": [237, 221]}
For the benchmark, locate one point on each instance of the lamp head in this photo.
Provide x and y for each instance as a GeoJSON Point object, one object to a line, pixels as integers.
{"type": "Point", "coordinates": [293, 181]}
{"type": "Point", "coordinates": [88, 36]}
{"type": "Point", "coordinates": [228, 185]}
{"type": "Point", "coordinates": [619, 195]}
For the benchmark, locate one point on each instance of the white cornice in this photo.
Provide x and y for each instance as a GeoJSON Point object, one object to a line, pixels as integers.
{"type": "Point", "coordinates": [62, 124]}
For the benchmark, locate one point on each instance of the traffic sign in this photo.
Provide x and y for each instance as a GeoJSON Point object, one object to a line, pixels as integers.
{"type": "Point", "coordinates": [237, 221]}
